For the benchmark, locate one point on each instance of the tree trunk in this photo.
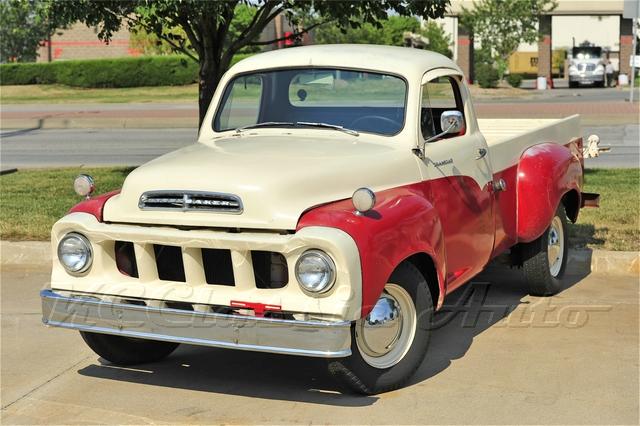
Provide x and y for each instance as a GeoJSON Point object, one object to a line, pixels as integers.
{"type": "Point", "coordinates": [210, 74]}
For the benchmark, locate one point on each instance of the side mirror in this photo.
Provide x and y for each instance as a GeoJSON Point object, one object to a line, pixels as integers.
{"type": "Point", "coordinates": [452, 122]}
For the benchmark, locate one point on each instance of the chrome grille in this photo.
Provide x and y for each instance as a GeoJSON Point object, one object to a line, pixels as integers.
{"type": "Point", "coordinates": [191, 201]}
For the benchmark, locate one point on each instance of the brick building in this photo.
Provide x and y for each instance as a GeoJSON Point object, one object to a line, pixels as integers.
{"type": "Point", "coordinates": [81, 42]}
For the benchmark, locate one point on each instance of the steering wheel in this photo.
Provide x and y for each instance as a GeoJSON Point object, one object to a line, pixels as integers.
{"type": "Point", "coordinates": [391, 124]}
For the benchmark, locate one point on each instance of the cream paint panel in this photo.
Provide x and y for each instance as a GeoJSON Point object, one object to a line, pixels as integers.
{"type": "Point", "coordinates": [342, 302]}
{"type": "Point", "coordinates": [508, 139]}
{"type": "Point", "coordinates": [278, 174]}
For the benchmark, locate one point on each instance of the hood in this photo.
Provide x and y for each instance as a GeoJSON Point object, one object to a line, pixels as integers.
{"type": "Point", "coordinates": [277, 177]}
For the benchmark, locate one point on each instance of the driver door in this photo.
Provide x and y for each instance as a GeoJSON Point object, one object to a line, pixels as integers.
{"type": "Point", "coordinates": [457, 177]}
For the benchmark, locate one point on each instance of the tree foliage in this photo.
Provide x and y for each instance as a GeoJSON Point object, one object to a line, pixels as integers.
{"type": "Point", "coordinates": [23, 26]}
{"type": "Point", "coordinates": [205, 29]}
{"type": "Point", "coordinates": [501, 25]}
{"type": "Point", "coordinates": [389, 32]}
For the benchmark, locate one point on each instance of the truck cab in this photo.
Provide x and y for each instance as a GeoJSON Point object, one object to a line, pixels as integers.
{"type": "Point", "coordinates": [335, 196]}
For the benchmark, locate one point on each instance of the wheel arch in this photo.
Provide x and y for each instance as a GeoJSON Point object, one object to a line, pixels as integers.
{"type": "Point", "coordinates": [427, 267]}
{"type": "Point", "coordinates": [571, 203]}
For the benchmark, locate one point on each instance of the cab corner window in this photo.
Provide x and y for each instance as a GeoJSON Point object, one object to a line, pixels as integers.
{"type": "Point", "coordinates": [438, 95]}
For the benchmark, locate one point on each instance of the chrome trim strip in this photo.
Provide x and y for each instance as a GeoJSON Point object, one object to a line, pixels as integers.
{"type": "Point", "coordinates": [305, 338]}
{"type": "Point", "coordinates": [185, 196]}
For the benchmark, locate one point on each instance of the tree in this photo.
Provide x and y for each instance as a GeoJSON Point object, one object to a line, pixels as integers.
{"type": "Point", "coordinates": [205, 26]}
{"type": "Point", "coordinates": [501, 25]}
{"type": "Point", "coordinates": [22, 28]}
{"type": "Point", "coordinates": [390, 32]}
{"type": "Point", "coordinates": [439, 41]}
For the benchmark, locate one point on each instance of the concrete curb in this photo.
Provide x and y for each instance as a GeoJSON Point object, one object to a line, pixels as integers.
{"type": "Point", "coordinates": [38, 253]}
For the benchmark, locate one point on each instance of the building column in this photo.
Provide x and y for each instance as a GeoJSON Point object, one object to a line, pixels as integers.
{"type": "Point", "coordinates": [626, 45]}
{"type": "Point", "coordinates": [544, 47]}
{"type": "Point", "coordinates": [465, 51]}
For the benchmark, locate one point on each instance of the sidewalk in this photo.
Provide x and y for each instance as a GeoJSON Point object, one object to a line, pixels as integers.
{"type": "Point", "coordinates": [143, 116]}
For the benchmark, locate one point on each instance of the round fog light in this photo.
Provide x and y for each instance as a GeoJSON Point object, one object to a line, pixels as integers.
{"type": "Point", "coordinates": [315, 271]}
{"type": "Point", "coordinates": [74, 253]}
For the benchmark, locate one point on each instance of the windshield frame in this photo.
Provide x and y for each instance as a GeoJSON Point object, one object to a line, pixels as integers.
{"type": "Point", "coordinates": [231, 79]}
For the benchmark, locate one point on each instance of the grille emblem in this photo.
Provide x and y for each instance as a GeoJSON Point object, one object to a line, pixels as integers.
{"type": "Point", "coordinates": [191, 201]}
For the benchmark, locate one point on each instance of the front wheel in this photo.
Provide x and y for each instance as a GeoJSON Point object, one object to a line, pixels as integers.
{"type": "Point", "coordinates": [388, 346]}
{"type": "Point", "coordinates": [127, 350]}
{"type": "Point", "coordinates": [545, 258]}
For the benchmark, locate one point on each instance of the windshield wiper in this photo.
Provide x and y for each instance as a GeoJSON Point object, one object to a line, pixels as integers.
{"type": "Point", "coordinates": [328, 126]}
{"type": "Point", "coordinates": [297, 124]}
{"type": "Point", "coordinates": [265, 124]}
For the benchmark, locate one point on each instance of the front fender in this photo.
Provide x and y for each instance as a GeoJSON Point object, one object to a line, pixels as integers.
{"type": "Point", "coordinates": [401, 224]}
{"type": "Point", "coordinates": [546, 172]}
{"type": "Point", "coordinates": [93, 205]}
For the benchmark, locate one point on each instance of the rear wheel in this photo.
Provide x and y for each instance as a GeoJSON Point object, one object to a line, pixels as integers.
{"type": "Point", "coordinates": [545, 259]}
{"type": "Point", "coordinates": [389, 345]}
{"type": "Point", "coordinates": [127, 350]}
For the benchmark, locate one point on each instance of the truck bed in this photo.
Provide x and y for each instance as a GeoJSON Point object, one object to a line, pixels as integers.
{"type": "Point", "coordinates": [508, 138]}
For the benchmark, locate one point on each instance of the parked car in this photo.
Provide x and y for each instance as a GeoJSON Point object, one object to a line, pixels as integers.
{"type": "Point", "coordinates": [586, 67]}
{"type": "Point", "coordinates": [336, 196]}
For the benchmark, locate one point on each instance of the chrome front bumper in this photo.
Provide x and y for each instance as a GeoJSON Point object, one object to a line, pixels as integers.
{"type": "Point", "coordinates": [306, 338]}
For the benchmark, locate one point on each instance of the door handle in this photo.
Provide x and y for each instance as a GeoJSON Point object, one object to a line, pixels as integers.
{"type": "Point", "coordinates": [481, 153]}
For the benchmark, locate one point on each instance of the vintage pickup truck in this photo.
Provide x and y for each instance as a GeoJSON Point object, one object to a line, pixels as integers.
{"type": "Point", "coordinates": [335, 197]}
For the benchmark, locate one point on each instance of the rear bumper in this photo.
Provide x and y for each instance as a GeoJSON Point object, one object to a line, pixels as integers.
{"type": "Point", "coordinates": [306, 338]}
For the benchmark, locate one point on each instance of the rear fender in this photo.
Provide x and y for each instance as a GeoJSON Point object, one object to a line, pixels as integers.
{"type": "Point", "coordinates": [402, 223]}
{"type": "Point", "coordinates": [546, 172]}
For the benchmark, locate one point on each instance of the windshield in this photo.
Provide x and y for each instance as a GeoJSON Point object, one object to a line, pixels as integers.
{"type": "Point", "coordinates": [355, 100]}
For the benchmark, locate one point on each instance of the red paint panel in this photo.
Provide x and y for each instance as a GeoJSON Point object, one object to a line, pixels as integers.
{"type": "Point", "coordinates": [465, 210]}
{"type": "Point", "coordinates": [545, 173]}
{"type": "Point", "coordinates": [94, 205]}
{"type": "Point", "coordinates": [505, 206]}
{"type": "Point", "coordinates": [402, 223]}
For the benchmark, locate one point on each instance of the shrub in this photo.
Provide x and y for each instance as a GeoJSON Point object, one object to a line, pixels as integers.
{"type": "Point", "coordinates": [171, 70]}
{"type": "Point", "coordinates": [487, 76]}
{"type": "Point", "coordinates": [27, 73]}
{"type": "Point", "coordinates": [514, 80]}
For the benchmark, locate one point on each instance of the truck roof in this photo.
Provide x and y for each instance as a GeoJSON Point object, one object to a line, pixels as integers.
{"type": "Point", "coordinates": [405, 61]}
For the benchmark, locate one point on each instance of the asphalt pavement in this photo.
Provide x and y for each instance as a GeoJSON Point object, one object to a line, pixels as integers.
{"type": "Point", "coordinates": [131, 147]}
{"type": "Point", "coordinates": [498, 356]}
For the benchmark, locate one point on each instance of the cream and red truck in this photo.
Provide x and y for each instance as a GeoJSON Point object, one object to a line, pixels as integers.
{"type": "Point", "coordinates": [335, 196]}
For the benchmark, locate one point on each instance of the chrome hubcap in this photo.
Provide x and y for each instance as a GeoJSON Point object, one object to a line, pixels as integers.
{"type": "Point", "coordinates": [386, 334]}
{"type": "Point", "coordinates": [555, 246]}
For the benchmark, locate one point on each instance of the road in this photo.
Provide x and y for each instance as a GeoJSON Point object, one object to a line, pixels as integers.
{"type": "Point", "coordinates": [504, 358]}
{"type": "Point", "coordinates": [86, 147]}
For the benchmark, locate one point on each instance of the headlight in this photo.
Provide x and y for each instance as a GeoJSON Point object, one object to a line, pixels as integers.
{"type": "Point", "coordinates": [315, 271]}
{"type": "Point", "coordinates": [573, 70]}
{"type": "Point", "coordinates": [74, 253]}
{"type": "Point", "coordinates": [600, 69]}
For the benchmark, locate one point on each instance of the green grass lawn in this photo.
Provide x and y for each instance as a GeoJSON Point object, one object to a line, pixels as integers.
{"type": "Point", "coordinates": [616, 224]}
{"type": "Point", "coordinates": [32, 200]}
{"type": "Point", "coordinates": [57, 94]}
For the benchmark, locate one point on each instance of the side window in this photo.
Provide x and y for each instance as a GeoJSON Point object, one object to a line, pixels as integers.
{"type": "Point", "coordinates": [241, 104]}
{"type": "Point", "coordinates": [438, 95]}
